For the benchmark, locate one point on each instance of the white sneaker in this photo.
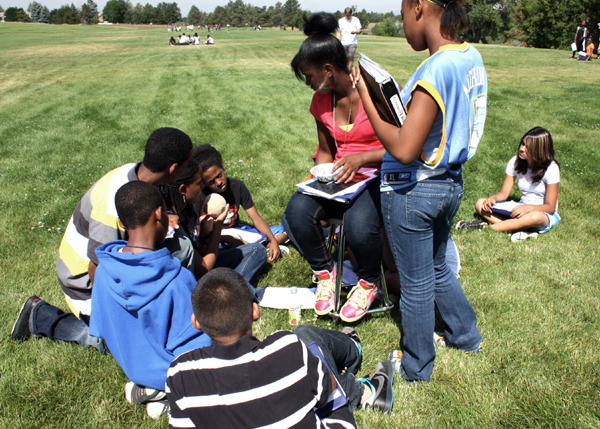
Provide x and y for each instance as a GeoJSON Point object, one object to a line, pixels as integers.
{"type": "Point", "coordinates": [522, 235]}
{"type": "Point", "coordinates": [156, 409]}
{"type": "Point", "coordinates": [284, 249]}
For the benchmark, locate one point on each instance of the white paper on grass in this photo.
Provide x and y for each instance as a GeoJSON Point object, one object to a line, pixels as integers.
{"type": "Point", "coordinates": [279, 297]}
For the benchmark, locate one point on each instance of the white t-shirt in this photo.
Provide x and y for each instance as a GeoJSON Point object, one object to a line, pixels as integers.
{"type": "Point", "coordinates": [346, 27]}
{"type": "Point", "coordinates": [534, 193]}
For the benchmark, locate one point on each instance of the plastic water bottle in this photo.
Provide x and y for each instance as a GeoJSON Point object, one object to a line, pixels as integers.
{"type": "Point", "coordinates": [294, 307]}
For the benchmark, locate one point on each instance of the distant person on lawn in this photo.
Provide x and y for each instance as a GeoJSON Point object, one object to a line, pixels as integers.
{"type": "Point", "coordinates": [581, 34]}
{"type": "Point", "coordinates": [142, 295]}
{"type": "Point", "coordinates": [95, 222]}
{"type": "Point", "coordinates": [589, 53]}
{"type": "Point", "coordinates": [242, 382]}
{"type": "Point", "coordinates": [348, 30]}
{"type": "Point", "coordinates": [209, 40]}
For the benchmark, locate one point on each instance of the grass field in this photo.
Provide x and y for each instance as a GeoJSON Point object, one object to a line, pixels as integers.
{"type": "Point", "coordinates": [77, 101]}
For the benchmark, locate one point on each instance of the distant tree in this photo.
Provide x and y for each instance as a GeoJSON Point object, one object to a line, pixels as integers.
{"type": "Point", "coordinates": [93, 8]}
{"type": "Point", "coordinates": [86, 14]}
{"type": "Point", "coordinates": [1, 9]}
{"type": "Point", "coordinates": [388, 27]}
{"type": "Point", "coordinates": [148, 14]}
{"type": "Point", "coordinates": [16, 14]}
{"type": "Point", "coordinates": [137, 13]}
{"type": "Point", "coordinates": [194, 16]}
{"type": "Point", "coordinates": [552, 23]}
{"type": "Point", "coordinates": [485, 20]}
{"type": "Point", "coordinates": [167, 13]}
{"type": "Point", "coordinates": [290, 13]}
{"type": "Point", "coordinates": [114, 11]}
{"type": "Point", "coordinates": [364, 18]}
{"type": "Point", "coordinates": [35, 10]}
{"type": "Point", "coordinates": [277, 14]}
{"type": "Point", "coordinates": [63, 15]}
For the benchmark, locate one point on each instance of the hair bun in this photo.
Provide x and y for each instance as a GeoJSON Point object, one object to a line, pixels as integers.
{"type": "Point", "coordinates": [320, 23]}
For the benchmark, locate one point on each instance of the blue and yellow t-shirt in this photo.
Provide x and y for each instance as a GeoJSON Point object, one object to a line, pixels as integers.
{"type": "Point", "coordinates": [455, 77]}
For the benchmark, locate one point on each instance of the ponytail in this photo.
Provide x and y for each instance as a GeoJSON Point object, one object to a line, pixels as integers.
{"type": "Point", "coordinates": [454, 18]}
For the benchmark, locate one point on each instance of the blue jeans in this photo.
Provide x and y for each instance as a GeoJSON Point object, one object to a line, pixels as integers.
{"type": "Point", "coordinates": [49, 321]}
{"type": "Point", "coordinates": [362, 221]}
{"type": "Point", "coordinates": [341, 354]}
{"type": "Point", "coordinates": [247, 259]}
{"type": "Point", "coordinates": [417, 220]}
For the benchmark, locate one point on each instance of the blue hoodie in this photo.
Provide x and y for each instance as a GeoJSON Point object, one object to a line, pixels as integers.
{"type": "Point", "coordinates": [141, 306]}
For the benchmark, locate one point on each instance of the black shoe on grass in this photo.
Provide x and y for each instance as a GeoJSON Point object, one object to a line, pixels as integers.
{"type": "Point", "coordinates": [380, 383]}
{"type": "Point", "coordinates": [20, 330]}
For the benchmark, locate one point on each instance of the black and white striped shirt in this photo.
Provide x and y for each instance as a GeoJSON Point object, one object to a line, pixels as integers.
{"type": "Point", "coordinates": [275, 383]}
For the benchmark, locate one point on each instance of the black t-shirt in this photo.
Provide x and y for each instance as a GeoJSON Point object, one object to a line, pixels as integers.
{"type": "Point", "coordinates": [236, 195]}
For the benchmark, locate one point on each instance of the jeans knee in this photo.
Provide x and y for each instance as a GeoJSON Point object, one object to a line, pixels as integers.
{"type": "Point", "coordinates": [306, 333]}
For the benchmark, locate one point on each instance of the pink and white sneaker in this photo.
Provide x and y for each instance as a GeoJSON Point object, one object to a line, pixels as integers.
{"type": "Point", "coordinates": [325, 292]}
{"type": "Point", "coordinates": [359, 300]}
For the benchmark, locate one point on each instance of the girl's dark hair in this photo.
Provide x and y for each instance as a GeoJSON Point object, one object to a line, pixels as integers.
{"type": "Point", "coordinates": [320, 46]}
{"type": "Point", "coordinates": [174, 198]}
{"type": "Point", "coordinates": [454, 17]}
{"type": "Point", "coordinates": [540, 147]}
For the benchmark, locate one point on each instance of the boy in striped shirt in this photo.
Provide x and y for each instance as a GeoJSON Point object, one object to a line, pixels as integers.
{"type": "Point", "coordinates": [240, 381]}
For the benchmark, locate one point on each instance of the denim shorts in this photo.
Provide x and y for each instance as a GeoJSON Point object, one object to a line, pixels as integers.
{"type": "Point", "coordinates": [553, 219]}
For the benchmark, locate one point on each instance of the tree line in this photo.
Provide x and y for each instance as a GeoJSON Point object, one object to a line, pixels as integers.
{"type": "Point", "coordinates": [537, 23]}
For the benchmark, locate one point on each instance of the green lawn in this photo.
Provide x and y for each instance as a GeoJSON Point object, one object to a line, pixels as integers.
{"type": "Point", "coordinates": [77, 101]}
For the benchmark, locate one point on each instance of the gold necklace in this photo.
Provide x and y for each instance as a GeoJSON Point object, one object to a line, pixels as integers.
{"type": "Point", "coordinates": [349, 117]}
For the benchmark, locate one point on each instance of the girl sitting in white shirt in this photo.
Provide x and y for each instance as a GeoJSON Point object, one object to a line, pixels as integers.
{"type": "Point", "coordinates": [538, 175]}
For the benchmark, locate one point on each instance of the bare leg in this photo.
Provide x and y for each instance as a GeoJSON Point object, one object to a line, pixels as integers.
{"type": "Point", "coordinates": [535, 220]}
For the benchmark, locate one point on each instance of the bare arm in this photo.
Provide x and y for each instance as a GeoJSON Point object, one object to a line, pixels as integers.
{"type": "Point", "coordinates": [507, 185]}
{"type": "Point", "coordinates": [263, 227]}
{"type": "Point", "coordinates": [205, 261]}
{"type": "Point", "coordinates": [549, 205]}
{"type": "Point", "coordinates": [92, 271]}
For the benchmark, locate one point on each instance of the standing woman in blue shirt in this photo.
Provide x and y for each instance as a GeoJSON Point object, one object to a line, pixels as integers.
{"type": "Point", "coordinates": [421, 181]}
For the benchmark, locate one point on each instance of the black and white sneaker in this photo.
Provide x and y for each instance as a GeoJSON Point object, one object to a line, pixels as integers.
{"type": "Point", "coordinates": [380, 383]}
{"type": "Point", "coordinates": [137, 394]}
{"type": "Point", "coordinates": [474, 224]}
{"type": "Point", "coordinates": [20, 330]}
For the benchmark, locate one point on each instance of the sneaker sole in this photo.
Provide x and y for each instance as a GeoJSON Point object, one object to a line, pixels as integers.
{"type": "Point", "coordinates": [352, 319]}
{"type": "Point", "coordinates": [324, 312]}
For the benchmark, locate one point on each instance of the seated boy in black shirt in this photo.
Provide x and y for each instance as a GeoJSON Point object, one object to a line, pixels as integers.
{"type": "Point", "coordinates": [236, 194]}
{"type": "Point", "coordinates": [240, 381]}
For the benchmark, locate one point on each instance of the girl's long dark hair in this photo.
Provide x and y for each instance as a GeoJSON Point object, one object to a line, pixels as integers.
{"type": "Point", "coordinates": [454, 17]}
{"type": "Point", "coordinates": [174, 198]}
{"type": "Point", "coordinates": [540, 147]}
{"type": "Point", "coordinates": [320, 46]}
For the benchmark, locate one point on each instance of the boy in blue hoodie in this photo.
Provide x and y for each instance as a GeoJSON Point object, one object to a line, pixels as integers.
{"type": "Point", "coordinates": [141, 297]}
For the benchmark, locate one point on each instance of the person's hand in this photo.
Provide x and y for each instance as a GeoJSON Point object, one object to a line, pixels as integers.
{"type": "Point", "coordinates": [274, 251]}
{"type": "Point", "coordinates": [350, 165]}
{"type": "Point", "coordinates": [488, 203]}
{"type": "Point", "coordinates": [173, 220]}
{"type": "Point", "coordinates": [520, 210]}
{"type": "Point", "coordinates": [223, 215]}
